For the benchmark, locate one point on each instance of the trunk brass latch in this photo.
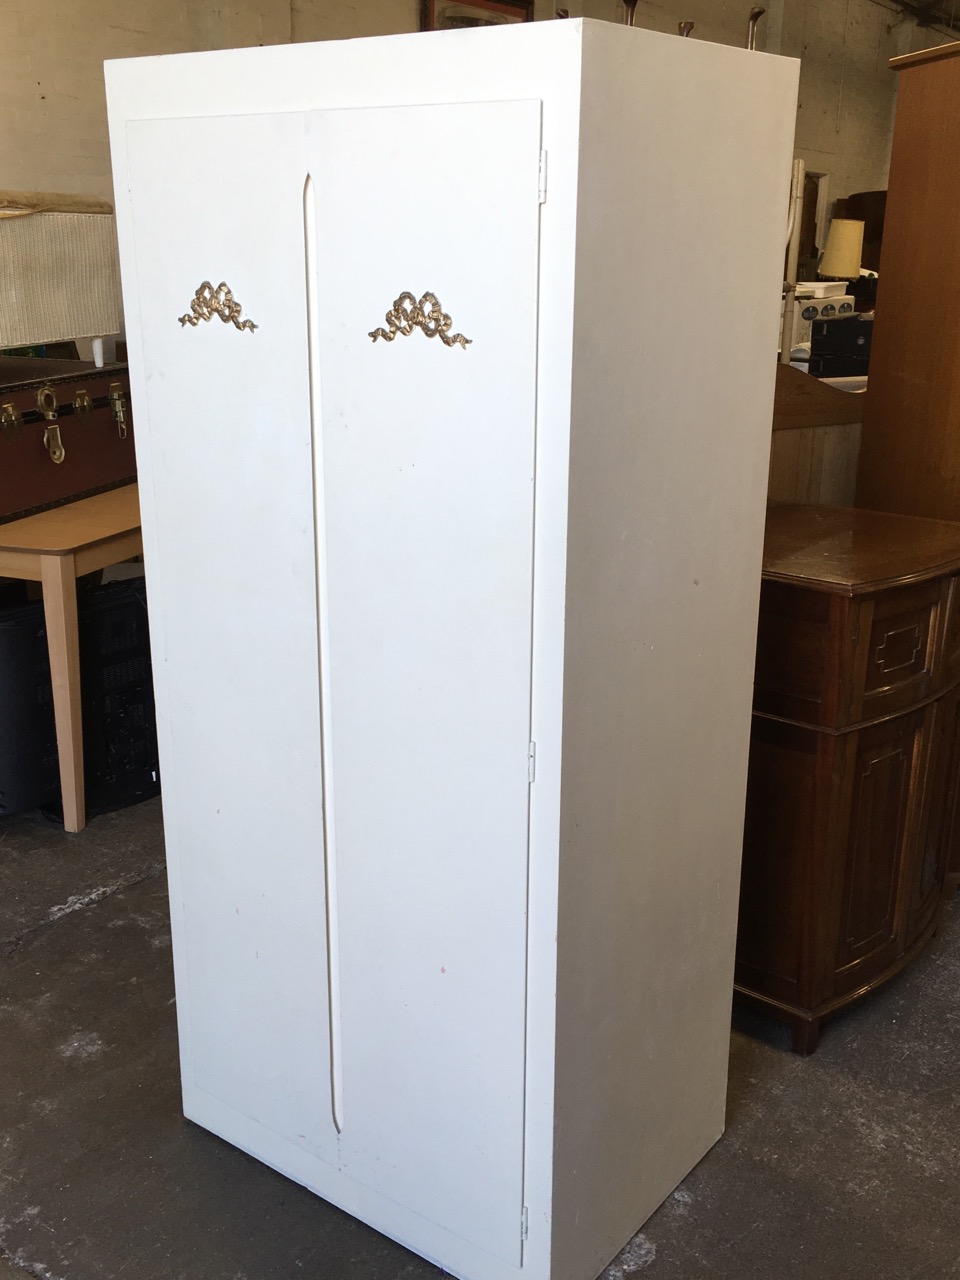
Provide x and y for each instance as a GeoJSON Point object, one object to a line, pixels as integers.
{"type": "Point", "coordinates": [119, 405]}
{"type": "Point", "coordinates": [47, 404]}
{"type": "Point", "coordinates": [11, 420]}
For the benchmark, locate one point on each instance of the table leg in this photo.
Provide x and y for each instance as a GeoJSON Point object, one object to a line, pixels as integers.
{"type": "Point", "coordinates": [58, 576]}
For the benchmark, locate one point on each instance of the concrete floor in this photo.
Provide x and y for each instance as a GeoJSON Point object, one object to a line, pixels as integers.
{"type": "Point", "coordinates": [843, 1166]}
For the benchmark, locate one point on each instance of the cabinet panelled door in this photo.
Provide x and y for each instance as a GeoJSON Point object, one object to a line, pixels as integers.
{"type": "Point", "coordinates": [344, 501]}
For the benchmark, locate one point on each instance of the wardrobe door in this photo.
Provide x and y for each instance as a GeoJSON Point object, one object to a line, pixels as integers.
{"type": "Point", "coordinates": [224, 451]}
{"type": "Point", "coordinates": [426, 222]}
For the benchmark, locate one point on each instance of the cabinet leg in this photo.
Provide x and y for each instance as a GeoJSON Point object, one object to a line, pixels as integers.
{"type": "Point", "coordinates": [806, 1035]}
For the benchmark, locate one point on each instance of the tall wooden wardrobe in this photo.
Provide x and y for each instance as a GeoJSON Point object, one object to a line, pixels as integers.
{"type": "Point", "coordinates": [910, 442]}
{"type": "Point", "coordinates": [453, 472]}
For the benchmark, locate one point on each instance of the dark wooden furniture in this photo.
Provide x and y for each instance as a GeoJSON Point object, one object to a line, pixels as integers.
{"type": "Point", "coordinates": [852, 800]}
{"type": "Point", "coordinates": [66, 432]}
{"type": "Point", "coordinates": [910, 447]}
{"type": "Point", "coordinates": [870, 208]}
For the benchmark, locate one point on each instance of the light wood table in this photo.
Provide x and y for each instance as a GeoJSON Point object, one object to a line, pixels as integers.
{"type": "Point", "coordinates": [55, 548]}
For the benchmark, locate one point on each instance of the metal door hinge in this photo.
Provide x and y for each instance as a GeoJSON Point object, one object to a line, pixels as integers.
{"type": "Point", "coordinates": [532, 762]}
{"type": "Point", "coordinates": [543, 177]}
{"type": "Point", "coordinates": [524, 1223]}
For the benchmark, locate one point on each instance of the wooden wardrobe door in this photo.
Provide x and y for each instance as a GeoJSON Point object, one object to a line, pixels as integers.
{"type": "Point", "coordinates": [425, 458]}
{"type": "Point", "coordinates": [224, 449]}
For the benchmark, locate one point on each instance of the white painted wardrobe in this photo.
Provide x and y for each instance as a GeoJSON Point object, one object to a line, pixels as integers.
{"type": "Point", "coordinates": [453, 624]}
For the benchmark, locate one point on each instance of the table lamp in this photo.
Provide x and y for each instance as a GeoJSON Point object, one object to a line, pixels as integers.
{"type": "Point", "coordinates": [841, 257]}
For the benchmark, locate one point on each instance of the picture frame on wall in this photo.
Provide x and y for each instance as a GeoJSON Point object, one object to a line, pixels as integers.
{"type": "Point", "coordinates": [452, 15]}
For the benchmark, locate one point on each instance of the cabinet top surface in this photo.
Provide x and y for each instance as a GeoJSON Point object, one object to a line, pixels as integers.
{"type": "Point", "coordinates": [938, 52]}
{"type": "Point", "coordinates": [848, 551]}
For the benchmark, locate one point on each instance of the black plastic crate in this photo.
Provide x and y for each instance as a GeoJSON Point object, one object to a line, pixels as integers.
{"type": "Point", "coordinates": [116, 680]}
{"type": "Point", "coordinates": [119, 721]}
{"type": "Point", "coordinates": [29, 774]}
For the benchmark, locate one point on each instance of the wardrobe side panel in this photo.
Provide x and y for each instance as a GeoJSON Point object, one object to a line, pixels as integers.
{"type": "Point", "coordinates": [685, 169]}
{"type": "Point", "coordinates": [226, 490]}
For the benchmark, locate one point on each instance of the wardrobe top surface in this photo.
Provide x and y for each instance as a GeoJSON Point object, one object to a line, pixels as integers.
{"type": "Point", "coordinates": [849, 551]}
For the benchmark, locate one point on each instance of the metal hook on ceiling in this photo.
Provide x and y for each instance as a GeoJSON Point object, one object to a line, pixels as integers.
{"type": "Point", "coordinates": [755, 15]}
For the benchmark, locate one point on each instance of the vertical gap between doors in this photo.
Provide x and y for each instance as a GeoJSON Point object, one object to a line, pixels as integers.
{"type": "Point", "coordinates": [323, 659]}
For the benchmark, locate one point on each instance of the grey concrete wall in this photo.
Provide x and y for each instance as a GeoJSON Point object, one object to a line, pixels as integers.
{"type": "Point", "coordinates": [52, 105]}
{"type": "Point", "coordinates": [847, 91]}
{"type": "Point", "coordinates": [51, 83]}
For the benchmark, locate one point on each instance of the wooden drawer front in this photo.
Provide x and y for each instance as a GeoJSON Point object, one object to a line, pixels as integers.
{"type": "Point", "coordinates": [903, 658]}
{"type": "Point", "coordinates": [796, 674]}
{"type": "Point", "coordinates": [885, 764]}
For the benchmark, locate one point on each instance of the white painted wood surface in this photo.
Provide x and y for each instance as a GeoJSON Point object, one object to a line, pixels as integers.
{"type": "Point", "coordinates": [427, 520]}
{"type": "Point", "coordinates": [668, 464]}
{"type": "Point", "coordinates": [226, 476]}
{"type": "Point", "coordinates": [571, 1058]}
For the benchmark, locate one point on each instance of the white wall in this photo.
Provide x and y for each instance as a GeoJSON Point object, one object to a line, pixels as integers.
{"type": "Point", "coordinates": [51, 83]}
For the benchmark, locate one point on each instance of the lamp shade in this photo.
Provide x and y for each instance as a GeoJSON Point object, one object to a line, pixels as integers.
{"type": "Point", "coordinates": [841, 258]}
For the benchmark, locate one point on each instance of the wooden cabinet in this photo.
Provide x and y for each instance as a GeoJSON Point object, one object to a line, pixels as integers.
{"type": "Point", "coordinates": [910, 447]}
{"type": "Point", "coordinates": [851, 798]}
